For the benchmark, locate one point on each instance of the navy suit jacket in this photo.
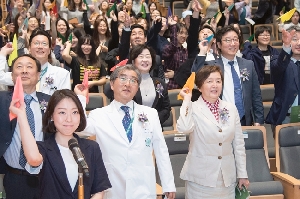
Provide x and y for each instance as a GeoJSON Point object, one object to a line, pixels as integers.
{"type": "Point", "coordinates": [7, 127]}
{"type": "Point", "coordinates": [254, 110]}
{"type": "Point", "coordinates": [53, 178]}
{"type": "Point", "coordinates": [286, 83]}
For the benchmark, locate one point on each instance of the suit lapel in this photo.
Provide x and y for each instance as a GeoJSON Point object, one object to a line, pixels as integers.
{"type": "Point", "coordinates": [205, 111]}
{"type": "Point", "coordinates": [117, 122]}
{"type": "Point", "coordinates": [58, 165]}
{"type": "Point", "coordinates": [219, 62]}
{"type": "Point", "coordinates": [40, 98]}
{"type": "Point", "coordinates": [295, 70]}
{"type": "Point", "coordinates": [136, 131]}
{"type": "Point", "coordinates": [156, 94]}
{"type": "Point", "coordinates": [13, 122]}
{"type": "Point", "coordinates": [245, 83]}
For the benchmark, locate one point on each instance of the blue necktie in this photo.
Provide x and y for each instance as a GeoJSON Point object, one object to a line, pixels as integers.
{"type": "Point", "coordinates": [127, 122]}
{"type": "Point", "coordinates": [238, 96]}
{"type": "Point", "coordinates": [30, 118]}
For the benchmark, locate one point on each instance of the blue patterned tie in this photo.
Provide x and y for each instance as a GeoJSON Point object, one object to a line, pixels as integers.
{"type": "Point", "coordinates": [238, 96]}
{"type": "Point", "coordinates": [30, 118]}
{"type": "Point", "coordinates": [127, 122]}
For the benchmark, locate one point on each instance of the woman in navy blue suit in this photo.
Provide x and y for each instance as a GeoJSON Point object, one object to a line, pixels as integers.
{"type": "Point", "coordinates": [52, 159]}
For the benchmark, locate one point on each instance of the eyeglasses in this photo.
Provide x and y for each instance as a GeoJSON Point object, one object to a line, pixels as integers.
{"type": "Point", "coordinates": [264, 35]}
{"type": "Point", "coordinates": [296, 40]}
{"type": "Point", "coordinates": [44, 44]}
{"type": "Point", "coordinates": [124, 80]}
{"type": "Point", "coordinates": [229, 41]}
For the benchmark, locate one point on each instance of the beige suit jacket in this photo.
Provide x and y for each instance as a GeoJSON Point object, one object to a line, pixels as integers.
{"type": "Point", "coordinates": [214, 145]}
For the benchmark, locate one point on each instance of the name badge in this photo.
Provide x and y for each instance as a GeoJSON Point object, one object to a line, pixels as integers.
{"type": "Point", "coordinates": [180, 137]}
{"type": "Point", "coordinates": [245, 134]}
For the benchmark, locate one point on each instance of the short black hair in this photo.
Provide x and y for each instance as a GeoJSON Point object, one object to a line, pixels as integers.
{"type": "Point", "coordinates": [48, 124]}
{"type": "Point", "coordinates": [138, 49]}
{"type": "Point", "coordinates": [221, 32]}
{"type": "Point", "coordinates": [40, 31]}
{"type": "Point", "coordinates": [261, 29]}
{"type": "Point", "coordinates": [138, 26]}
{"type": "Point", "coordinates": [37, 62]}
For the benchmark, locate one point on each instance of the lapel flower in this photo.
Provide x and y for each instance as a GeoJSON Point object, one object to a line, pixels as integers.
{"type": "Point", "coordinates": [143, 118]}
{"type": "Point", "coordinates": [43, 105]}
{"type": "Point", "coordinates": [159, 89]}
{"type": "Point", "coordinates": [224, 115]}
{"type": "Point", "coordinates": [244, 74]}
{"type": "Point", "coordinates": [49, 82]}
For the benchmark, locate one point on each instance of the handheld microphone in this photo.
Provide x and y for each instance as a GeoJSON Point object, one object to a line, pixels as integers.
{"type": "Point", "coordinates": [78, 156]}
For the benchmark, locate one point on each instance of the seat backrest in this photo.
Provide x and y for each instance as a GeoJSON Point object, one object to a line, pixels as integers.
{"type": "Point", "coordinates": [178, 146]}
{"type": "Point", "coordinates": [246, 31]}
{"type": "Point", "coordinates": [168, 125]}
{"type": "Point", "coordinates": [267, 92]}
{"type": "Point", "coordinates": [97, 100]}
{"type": "Point", "coordinates": [256, 154]}
{"type": "Point", "coordinates": [173, 97]}
{"type": "Point", "coordinates": [288, 149]}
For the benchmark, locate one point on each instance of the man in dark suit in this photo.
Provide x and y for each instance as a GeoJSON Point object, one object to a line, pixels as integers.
{"type": "Point", "coordinates": [285, 72]}
{"type": "Point", "coordinates": [241, 86]}
{"type": "Point", "coordinates": [133, 35]}
{"type": "Point", "coordinates": [18, 183]}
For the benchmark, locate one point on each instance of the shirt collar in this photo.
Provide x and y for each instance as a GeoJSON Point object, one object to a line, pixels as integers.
{"type": "Point", "coordinates": [119, 104]}
{"type": "Point", "coordinates": [211, 104]}
{"type": "Point", "coordinates": [225, 60]}
{"type": "Point", "coordinates": [294, 60]}
{"type": "Point", "coordinates": [33, 95]}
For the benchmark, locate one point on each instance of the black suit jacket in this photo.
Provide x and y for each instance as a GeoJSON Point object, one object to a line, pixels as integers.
{"type": "Point", "coordinates": [53, 178]}
{"type": "Point", "coordinates": [7, 127]}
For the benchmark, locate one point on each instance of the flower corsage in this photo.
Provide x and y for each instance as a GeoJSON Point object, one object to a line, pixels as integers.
{"type": "Point", "coordinates": [49, 82]}
{"type": "Point", "coordinates": [244, 74]}
{"type": "Point", "coordinates": [143, 118]}
{"type": "Point", "coordinates": [43, 105]}
{"type": "Point", "coordinates": [159, 89]}
{"type": "Point", "coordinates": [224, 115]}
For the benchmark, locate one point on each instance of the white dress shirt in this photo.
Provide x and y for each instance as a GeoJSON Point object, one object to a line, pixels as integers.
{"type": "Point", "coordinates": [228, 88]}
{"type": "Point", "coordinates": [12, 154]}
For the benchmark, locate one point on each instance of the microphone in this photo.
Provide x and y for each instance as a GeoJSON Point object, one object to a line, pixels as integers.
{"type": "Point", "coordinates": [78, 156]}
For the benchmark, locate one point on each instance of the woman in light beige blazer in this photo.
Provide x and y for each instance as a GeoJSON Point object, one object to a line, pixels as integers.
{"type": "Point", "coordinates": [216, 158]}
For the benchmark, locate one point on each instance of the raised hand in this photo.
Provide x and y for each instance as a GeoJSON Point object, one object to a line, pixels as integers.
{"type": "Point", "coordinates": [113, 16]}
{"type": "Point", "coordinates": [203, 46]}
{"type": "Point", "coordinates": [196, 6]}
{"type": "Point", "coordinates": [171, 21]}
{"type": "Point", "coordinates": [185, 93]}
{"type": "Point", "coordinates": [287, 37]}
{"type": "Point", "coordinates": [17, 107]}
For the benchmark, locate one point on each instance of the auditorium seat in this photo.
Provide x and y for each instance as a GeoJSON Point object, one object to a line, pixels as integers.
{"type": "Point", "coordinates": [287, 145]}
{"type": "Point", "coordinates": [262, 184]}
{"type": "Point", "coordinates": [178, 147]}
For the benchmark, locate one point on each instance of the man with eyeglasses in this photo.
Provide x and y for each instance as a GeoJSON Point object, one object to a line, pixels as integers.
{"type": "Point", "coordinates": [52, 78]}
{"type": "Point", "coordinates": [285, 72]}
{"type": "Point", "coordinates": [241, 86]}
{"type": "Point", "coordinates": [262, 54]}
{"type": "Point", "coordinates": [128, 134]}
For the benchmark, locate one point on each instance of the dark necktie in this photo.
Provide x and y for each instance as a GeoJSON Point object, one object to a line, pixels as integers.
{"type": "Point", "coordinates": [127, 122]}
{"type": "Point", "coordinates": [30, 118]}
{"type": "Point", "coordinates": [238, 96]}
{"type": "Point", "coordinates": [298, 68]}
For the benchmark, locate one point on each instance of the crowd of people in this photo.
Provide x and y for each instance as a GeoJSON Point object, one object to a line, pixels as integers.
{"type": "Point", "coordinates": [60, 51]}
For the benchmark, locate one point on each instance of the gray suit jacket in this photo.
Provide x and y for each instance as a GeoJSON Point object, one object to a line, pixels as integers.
{"type": "Point", "coordinates": [254, 110]}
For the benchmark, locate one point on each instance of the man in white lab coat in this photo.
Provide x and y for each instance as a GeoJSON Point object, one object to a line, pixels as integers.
{"type": "Point", "coordinates": [127, 137]}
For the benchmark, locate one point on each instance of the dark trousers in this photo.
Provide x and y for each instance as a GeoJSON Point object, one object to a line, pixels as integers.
{"type": "Point", "coordinates": [21, 186]}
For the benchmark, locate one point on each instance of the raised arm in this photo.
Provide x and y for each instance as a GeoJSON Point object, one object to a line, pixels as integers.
{"type": "Point", "coordinates": [31, 151]}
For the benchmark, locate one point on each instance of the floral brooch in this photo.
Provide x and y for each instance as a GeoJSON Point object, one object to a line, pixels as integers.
{"type": "Point", "coordinates": [43, 105]}
{"type": "Point", "coordinates": [244, 74]}
{"type": "Point", "coordinates": [159, 89]}
{"type": "Point", "coordinates": [143, 118]}
{"type": "Point", "coordinates": [224, 115]}
{"type": "Point", "coordinates": [49, 82]}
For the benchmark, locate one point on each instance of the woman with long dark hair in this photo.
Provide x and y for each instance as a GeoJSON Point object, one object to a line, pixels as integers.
{"type": "Point", "coordinates": [86, 60]}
